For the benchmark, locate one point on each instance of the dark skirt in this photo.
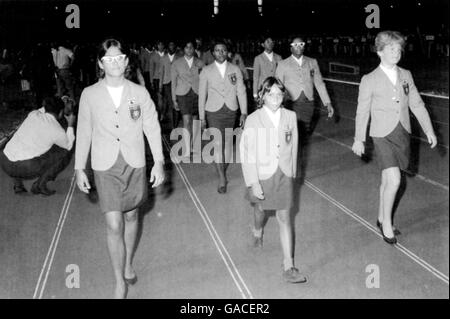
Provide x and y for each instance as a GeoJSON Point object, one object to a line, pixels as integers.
{"type": "Point", "coordinates": [393, 149]}
{"type": "Point", "coordinates": [278, 192]}
{"type": "Point", "coordinates": [188, 103]}
{"type": "Point", "coordinates": [222, 119]}
{"type": "Point", "coordinates": [121, 188]}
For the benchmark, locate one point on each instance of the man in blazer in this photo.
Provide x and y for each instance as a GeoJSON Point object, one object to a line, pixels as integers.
{"type": "Point", "coordinates": [264, 65]}
{"type": "Point", "coordinates": [300, 74]}
{"type": "Point", "coordinates": [221, 86]}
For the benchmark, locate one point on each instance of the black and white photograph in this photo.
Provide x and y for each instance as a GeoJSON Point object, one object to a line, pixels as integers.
{"type": "Point", "coordinates": [224, 154]}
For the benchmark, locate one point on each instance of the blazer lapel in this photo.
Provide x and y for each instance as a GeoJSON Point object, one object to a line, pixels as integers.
{"type": "Point", "coordinates": [125, 94]}
{"type": "Point", "coordinates": [265, 120]}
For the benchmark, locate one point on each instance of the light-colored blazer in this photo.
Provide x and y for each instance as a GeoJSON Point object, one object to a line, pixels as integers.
{"type": "Point", "coordinates": [302, 79]}
{"type": "Point", "coordinates": [165, 69]}
{"type": "Point", "coordinates": [185, 78]}
{"type": "Point", "coordinates": [155, 65]}
{"type": "Point", "coordinates": [144, 58]}
{"type": "Point", "coordinates": [214, 91]}
{"type": "Point", "coordinates": [237, 59]}
{"type": "Point", "coordinates": [106, 130]}
{"type": "Point", "coordinates": [263, 148]}
{"type": "Point", "coordinates": [387, 104]}
{"type": "Point", "coordinates": [263, 68]}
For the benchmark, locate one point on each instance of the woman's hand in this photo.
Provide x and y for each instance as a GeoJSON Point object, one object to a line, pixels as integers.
{"type": "Point", "coordinates": [257, 191]}
{"type": "Point", "coordinates": [242, 120]}
{"type": "Point", "coordinates": [82, 181]}
{"type": "Point", "coordinates": [175, 105]}
{"type": "Point", "coordinates": [157, 175]}
{"type": "Point", "coordinates": [432, 139]}
{"type": "Point", "coordinates": [358, 148]}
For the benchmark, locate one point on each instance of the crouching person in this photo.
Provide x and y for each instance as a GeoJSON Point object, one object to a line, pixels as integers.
{"type": "Point", "coordinates": [39, 148]}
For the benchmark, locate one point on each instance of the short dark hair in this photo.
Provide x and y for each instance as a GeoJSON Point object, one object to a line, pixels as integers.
{"type": "Point", "coordinates": [106, 44]}
{"type": "Point", "coordinates": [53, 104]}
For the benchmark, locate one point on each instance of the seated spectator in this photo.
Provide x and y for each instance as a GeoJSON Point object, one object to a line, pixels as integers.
{"type": "Point", "coordinates": [40, 148]}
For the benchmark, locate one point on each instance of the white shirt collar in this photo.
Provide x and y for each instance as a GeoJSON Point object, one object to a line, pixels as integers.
{"type": "Point", "coordinates": [160, 53]}
{"type": "Point", "coordinates": [391, 73]}
{"type": "Point", "coordinates": [171, 56]}
{"type": "Point", "coordinates": [299, 61]}
{"type": "Point", "coordinates": [189, 60]}
{"type": "Point", "coordinates": [269, 55]}
{"type": "Point", "coordinates": [274, 116]}
{"type": "Point", "coordinates": [222, 67]}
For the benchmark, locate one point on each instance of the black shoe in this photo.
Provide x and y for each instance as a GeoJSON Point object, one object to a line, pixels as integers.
{"type": "Point", "coordinates": [93, 195]}
{"type": "Point", "coordinates": [396, 231]}
{"type": "Point", "coordinates": [20, 189]}
{"type": "Point", "coordinates": [131, 281]}
{"type": "Point", "coordinates": [222, 189]}
{"type": "Point", "coordinates": [42, 189]}
{"type": "Point", "coordinates": [390, 241]}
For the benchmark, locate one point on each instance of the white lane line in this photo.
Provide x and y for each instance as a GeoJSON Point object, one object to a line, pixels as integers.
{"type": "Point", "coordinates": [232, 269]}
{"type": "Point", "coordinates": [413, 136]}
{"type": "Point", "coordinates": [415, 175]}
{"type": "Point", "coordinates": [438, 96]}
{"type": "Point", "coordinates": [366, 224]}
{"type": "Point", "coordinates": [40, 286]}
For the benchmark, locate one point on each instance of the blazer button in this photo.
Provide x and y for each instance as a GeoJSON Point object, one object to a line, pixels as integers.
{"type": "Point", "coordinates": [117, 126]}
{"type": "Point", "coordinates": [117, 112]}
{"type": "Point", "coordinates": [118, 140]}
{"type": "Point", "coordinates": [398, 101]}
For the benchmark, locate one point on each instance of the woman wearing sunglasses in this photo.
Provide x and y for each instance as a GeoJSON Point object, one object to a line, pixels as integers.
{"type": "Point", "coordinates": [114, 115]}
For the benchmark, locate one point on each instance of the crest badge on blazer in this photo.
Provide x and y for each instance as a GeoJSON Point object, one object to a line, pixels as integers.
{"type": "Point", "coordinates": [233, 78]}
{"type": "Point", "coordinates": [406, 87]}
{"type": "Point", "coordinates": [311, 73]}
{"type": "Point", "coordinates": [135, 109]}
{"type": "Point", "coordinates": [288, 134]}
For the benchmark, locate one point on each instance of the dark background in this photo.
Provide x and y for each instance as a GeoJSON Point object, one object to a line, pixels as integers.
{"type": "Point", "coordinates": [25, 22]}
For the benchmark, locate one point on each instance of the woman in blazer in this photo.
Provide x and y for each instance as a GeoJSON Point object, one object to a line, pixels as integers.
{"type": "Point", "coordinates": [185, 80]}
{"type": "Point", "coordinates": [386, 95]}
{"type": "Point", "coordinates": [268, 152]}
{"type": "Point", "coordinates": [114, 115]}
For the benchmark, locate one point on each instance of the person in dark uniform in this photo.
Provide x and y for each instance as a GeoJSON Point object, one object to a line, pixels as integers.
{"type": "Point", "coordinates": [385, 96]}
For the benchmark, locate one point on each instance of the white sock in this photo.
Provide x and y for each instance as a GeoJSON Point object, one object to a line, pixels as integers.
{"type": "Point", "coordinates": [257, 232]}
{"type": "Point", "coordinates": [288, 263]}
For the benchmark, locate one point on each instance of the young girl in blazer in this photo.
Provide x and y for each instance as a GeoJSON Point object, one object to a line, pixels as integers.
{"type": "Point", "coordinates": [268, 150]}
{"type": "Point", "coordinates": [386, 95]}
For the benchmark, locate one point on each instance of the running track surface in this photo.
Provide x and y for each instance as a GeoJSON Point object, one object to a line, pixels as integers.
{"type": "Point", "coordinates": [195, 242]}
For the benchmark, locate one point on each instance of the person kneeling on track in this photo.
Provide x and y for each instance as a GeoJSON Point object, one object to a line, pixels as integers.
{"type": "Point", "coordinates": [39, 148]}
